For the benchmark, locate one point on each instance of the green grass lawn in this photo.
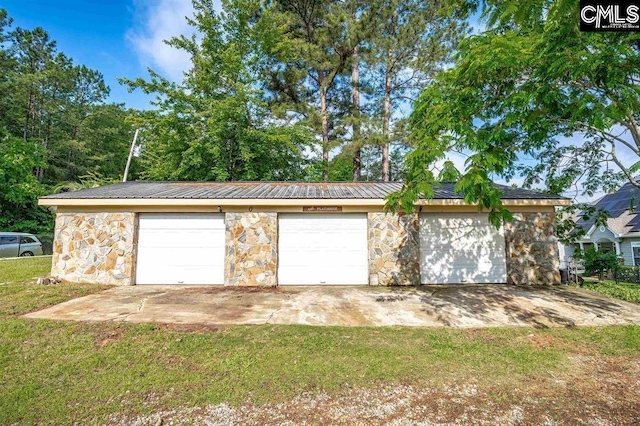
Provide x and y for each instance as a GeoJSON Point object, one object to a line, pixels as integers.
{"type": "Point", "coordinates": [24, 269]}
{"type": "Point", "coordinates": [71, 372]}
{"type": "Point", "coordinates": [625, 291]}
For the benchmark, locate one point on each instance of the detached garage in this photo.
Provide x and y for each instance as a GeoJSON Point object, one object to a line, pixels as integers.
{"type": "Point", "coordinates": [297, 233]}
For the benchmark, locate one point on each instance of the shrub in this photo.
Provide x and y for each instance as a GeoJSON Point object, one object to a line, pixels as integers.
{"type": "Point", "coordinates": [598, 262]}
{"type": "Point", "coordinates": [629, 274]}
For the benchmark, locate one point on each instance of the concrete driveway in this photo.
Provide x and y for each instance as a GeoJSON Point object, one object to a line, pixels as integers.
{"type": "Point", "coordinates": [426, 306]}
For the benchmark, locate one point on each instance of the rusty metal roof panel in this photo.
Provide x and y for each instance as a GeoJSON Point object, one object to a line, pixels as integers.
{"type": "Point", "coordinates": [271, 190]}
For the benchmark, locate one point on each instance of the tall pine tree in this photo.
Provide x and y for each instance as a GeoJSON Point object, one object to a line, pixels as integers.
{"type": "Point", "coordinates": [412, 41]}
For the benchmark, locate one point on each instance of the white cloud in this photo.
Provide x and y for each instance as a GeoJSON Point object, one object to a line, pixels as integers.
{"type": "Point", "coordinates": [157, 21]}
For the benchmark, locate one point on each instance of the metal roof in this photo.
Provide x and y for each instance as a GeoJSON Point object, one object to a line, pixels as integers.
{"type": "Point", "coordinates": [272, 190]}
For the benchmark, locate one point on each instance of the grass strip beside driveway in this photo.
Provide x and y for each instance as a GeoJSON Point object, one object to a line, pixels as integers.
{"type": "Point", "coordinates": [24, 268]}
{"type": "Point", "coordinates": [57, 372]}
{"type": "Point", "coordinates": [65, 372]}
{"type": "Point", "coordinates": [60, 372]}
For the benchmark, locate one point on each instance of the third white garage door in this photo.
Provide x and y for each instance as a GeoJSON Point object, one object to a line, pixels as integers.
{"type": "Point", "coordinates": [318, 248]}
{"type": "Point", "coordinates": [461, 248]}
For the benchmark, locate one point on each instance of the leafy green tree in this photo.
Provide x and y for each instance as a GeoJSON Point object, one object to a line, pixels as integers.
{"type": "Point", "coordinates": [49, 100]}
{"type": "Point", "coordinates": [19, 188]}
{"type": "Point", "coordinates": [449, 172]}
{"type": "Point", "coordinates": [341, 168]}
{"type": "Point", "coordinates": [599, 262]}
{"type": "Point", "coordinates": [412, 40]}
{"type": "Point", "coordinates": [106, 132]}
{"type": "Point", "coordinates": [305, 70]}
{"type": "Point", "coordinates": [83, 93]}
{"type": "Point", "coordinates": [7, 66]}
{"type": "Point", "coordinates": [359, 31]}
{"type": "Point", "coordinates": [357, 113]}
{"type": "Point", "coordinates": [517, 89]}
{"type": "Point", "coordinates": [215, 124]}
{"type": "Point", "coordinates": [91, 180]}
{"type": "Point", "coordinates": [54, 125]}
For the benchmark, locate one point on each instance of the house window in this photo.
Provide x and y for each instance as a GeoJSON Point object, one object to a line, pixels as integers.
{"type": "Point", "coordinates": [635, 249]}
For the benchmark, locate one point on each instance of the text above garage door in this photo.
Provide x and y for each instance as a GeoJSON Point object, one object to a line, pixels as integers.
{"type": "Point", "coordinates": [322, 209]}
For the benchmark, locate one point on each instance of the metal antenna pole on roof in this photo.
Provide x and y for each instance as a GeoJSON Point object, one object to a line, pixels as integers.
{"type": "Point", "coordinates": [133, 144]}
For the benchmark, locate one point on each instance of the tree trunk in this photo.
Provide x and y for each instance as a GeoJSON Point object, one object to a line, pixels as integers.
{"type": "Point", "coordinates": [325, 133]}
{"type": "Point", "coordinates": [25, 131]}
{"type": "Point", "coordinates": [355, 94]}
{"type": "Point", "coordinates": [385, 126]}
{"type": "Point", "coordinates": [45, 144]}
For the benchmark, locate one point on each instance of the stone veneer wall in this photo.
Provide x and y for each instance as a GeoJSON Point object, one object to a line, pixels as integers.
{"type": "Point", "coordinates": [394, 249]}
{"type": "Point", "coordinates": [94, 247]}
{"type": "Point", "coordinates": [532, 249]}
{"type": "Point", "coordinates": [251, 255]}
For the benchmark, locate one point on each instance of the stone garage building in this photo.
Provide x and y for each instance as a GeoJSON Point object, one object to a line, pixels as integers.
{"type": "Point", "coordinates": [296, 233]}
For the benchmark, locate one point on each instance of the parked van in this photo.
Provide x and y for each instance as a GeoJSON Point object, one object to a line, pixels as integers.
{"type": "Point", "coordinates": [14, 244]}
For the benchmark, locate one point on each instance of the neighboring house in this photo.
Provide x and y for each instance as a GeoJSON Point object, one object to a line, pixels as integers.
{"type": "Point", "coordinates": [621, 232]}
{"type": "Point", "coordinates": [297, 233]}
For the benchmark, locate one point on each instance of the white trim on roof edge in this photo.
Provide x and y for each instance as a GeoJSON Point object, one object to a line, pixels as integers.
{"type": "Point", "coordinates": [593, 228]}
{"type": "Point", "coordinates": [276, 202]}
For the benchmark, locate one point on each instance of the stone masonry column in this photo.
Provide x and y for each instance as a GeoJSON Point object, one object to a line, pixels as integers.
{"type": "Point", "coordinates": [394, 249]}
{"type": "Point", "coordinates": [95, 247]}
{"type": "Point", "coordinates": [251, 253]}
{"type": "Point", "coordinates": [532, 249]}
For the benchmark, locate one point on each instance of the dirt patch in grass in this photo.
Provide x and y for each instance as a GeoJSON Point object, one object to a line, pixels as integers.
{"type": "Point", "coordinates": [107, 335]}
{"type": "Point", "coordinates": [568, 399]}
{"type": "Point", "coordinates": [190, 328]}
{"type": "Point", "coordinates": [539, 341]}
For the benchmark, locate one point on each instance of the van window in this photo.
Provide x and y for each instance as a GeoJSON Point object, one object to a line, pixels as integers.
{"type": "Point", "coordinates": [27, 240]}
{"type": "Point", "coordinates": [9, 240]}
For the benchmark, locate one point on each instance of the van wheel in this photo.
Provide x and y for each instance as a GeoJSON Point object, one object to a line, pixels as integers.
{"type": "Point", "coordinates": [26, 254]}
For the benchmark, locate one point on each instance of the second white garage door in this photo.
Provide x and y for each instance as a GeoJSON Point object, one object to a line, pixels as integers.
{"type": "Point", "coordinates": [319, 248]}
{"type": "Point", "coordinates": [180, 248]}
{"type": "Point", "coordinates": [461, 248]}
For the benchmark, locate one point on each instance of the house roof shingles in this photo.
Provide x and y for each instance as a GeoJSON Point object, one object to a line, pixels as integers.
{"type": "Point", "coordinates": [623, 208]}
{"type": "Point", "coordinates": [273, 190]}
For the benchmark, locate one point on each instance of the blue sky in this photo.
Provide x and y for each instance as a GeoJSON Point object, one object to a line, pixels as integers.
{"type": "Point", "coordinates": [119, 38]}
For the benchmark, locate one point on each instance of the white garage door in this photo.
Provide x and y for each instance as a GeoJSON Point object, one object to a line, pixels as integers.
{"type": "Point", "coordinates": [461, 248]}
{"type": "Point", "coordinates": [180, 248]}
{"type": "Point", "coordinates": [322, 249]}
